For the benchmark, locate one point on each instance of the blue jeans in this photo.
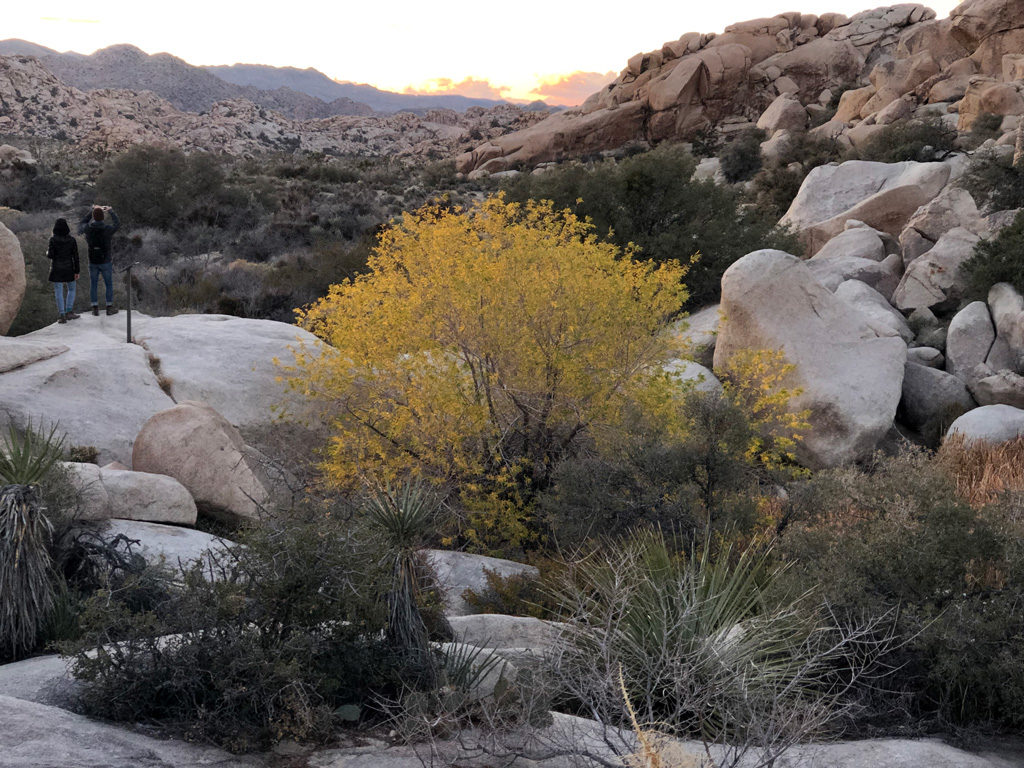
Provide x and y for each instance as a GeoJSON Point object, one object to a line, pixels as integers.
{"type": "Point", "coordinates": [68, 304]}
{"type": "Point", "coordinates": [107, 270]}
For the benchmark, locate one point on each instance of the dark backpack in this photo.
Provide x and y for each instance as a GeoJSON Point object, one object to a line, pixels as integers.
{"type": "Point", "coordinates": [94, 238]}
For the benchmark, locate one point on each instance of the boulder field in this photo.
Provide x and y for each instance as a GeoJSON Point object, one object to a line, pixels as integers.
{"type": "Point", "coordinates": [780, 73]}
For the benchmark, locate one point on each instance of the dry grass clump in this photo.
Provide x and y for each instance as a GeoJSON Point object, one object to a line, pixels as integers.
{"type": "Point", "coordinates": [983, 472]}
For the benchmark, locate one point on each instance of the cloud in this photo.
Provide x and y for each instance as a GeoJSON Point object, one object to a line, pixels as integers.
{"type": "Point", "coordinates": [474, 88]}
{"type": "Point", "coordinates": [572, 89]}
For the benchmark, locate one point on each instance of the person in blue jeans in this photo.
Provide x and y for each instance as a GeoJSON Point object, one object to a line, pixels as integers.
{"type": "Point", "coordinates": [98, 236]}
{"type": "Point", "coordinates": [62, 251]}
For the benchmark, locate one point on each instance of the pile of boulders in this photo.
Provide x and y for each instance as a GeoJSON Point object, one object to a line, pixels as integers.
{"type": "Point", "coordinates": [784, 75]}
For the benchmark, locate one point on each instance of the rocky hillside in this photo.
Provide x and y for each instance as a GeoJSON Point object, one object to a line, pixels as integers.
{"type": "Point", "coordinates": [298, 93]}
{"type": "Point", "coordinates": [781, 72]}
{"type": "Point", "coordinates": [188, 88]}
{"type": "Point", "coordinates": [35, 102]}
{"type": "Point", "coordinates": [317, 84]}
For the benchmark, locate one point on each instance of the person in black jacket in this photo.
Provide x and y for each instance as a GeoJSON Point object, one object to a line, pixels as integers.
{"type": "Point", "coordinates": [98, 235]}
{"type": "Point", "coordinates": [63, 255]}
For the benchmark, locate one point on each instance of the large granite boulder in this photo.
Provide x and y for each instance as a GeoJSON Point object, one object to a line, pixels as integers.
{"type": "Point", "coordinates": [105, 493]}
{"type": "Point", "coordinates": [936, 278]}
{"type": "Point", "coordinates": [1007, 308]}
{"type": "Point", "coordinates": [990, 424]}
{"type": "Point", "coordinates": [882, 195]}
{"type": "Point", "coordinates": [954, 207]}
{"type": "Point", "coordinates": [969, 339]}
{"type": "Point", "coordinates": [199, 448]}
{"type": "Point", "coordinates": [932, 399]}
{"type": "Point", "coordinates": [851, 378]}
{"type": "Point", "coordinates": [875, 308]}
{"type": "Point", "coordinates": [998, 388]}
{"type": "Point", "coordinates": [495, 630]}
{"type": "Point", "coordinates": [459, 571]}
{"type": "Point", "coordinates": [12, 278]}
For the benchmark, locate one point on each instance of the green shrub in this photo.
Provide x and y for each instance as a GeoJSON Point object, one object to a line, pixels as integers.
{"type": "Point", "coordinates": [923, 140]}
{"type": "Point", "coordinates": [994, 183]}
{"type": "Point", "coordinates": [519, 594]}
{"type": "Point", "coordinates": [651, 200]}
{"type": "Point", "coordinates": [987, 125]}
{"type": "Point", "coordinates": [896, 536]}
{"type": "Point", "coordinates": [690, 643]}
{"type": "Point", "coordinates": [999, 260]}
{"type": "Point", "coordinates": [741, 157]}
{"type": "Point", "coordinates": [270, 640]}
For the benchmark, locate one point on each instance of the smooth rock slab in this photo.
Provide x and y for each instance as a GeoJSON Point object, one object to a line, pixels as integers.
{"type": "Point", "coordinates": [875, 308]}
{"type": "Point", "coordinates": [42, 679]}
{"type": "Point", "coordinates": [495, 630]}
{"type": "Point", "coordinates": [936, 278]}
{"type": "Point", "coordinates": [851, 379]}
{"type": "Point", "coordinates": [39, 736]}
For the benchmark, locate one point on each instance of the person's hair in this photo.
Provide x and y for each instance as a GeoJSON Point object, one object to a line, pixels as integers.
{"type": "Point", "coordinates": [97, 214]}
{"type": "Point", "coordinates": [61, 228]}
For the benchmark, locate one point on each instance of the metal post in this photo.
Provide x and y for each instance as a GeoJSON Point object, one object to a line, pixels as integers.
{"type": "Point", "coordinates": [128, 289]}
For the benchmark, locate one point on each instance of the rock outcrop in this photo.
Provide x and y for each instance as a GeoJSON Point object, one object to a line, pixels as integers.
{"type": "Point", "coordinates": [763, 70]}
{"type": "Point", "coordinates": [882, 195]}
{"type": "Point", "coordinates": [990, 424]}
{"type": "Point", "coordinates": [98, 389]}
{"type": "Point", "coordinates": [459, 571]}
{"type": "Point", "coordinates": [12, 278]}
{"type": "Point", "coordinates": [771, 300]}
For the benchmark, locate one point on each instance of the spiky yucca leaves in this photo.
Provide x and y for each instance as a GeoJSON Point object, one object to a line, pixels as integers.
{"type": "Point", "coordinates": [403, 517]}
{"type": "Point", "coordinates": [700, 651]}
{"type": "Point", "coordinates": [27, 457]}
{"type": "Point", "coordinates": [26, 583]}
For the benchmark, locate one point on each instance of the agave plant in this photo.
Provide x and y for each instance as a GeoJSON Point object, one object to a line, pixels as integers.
{"type": "Point", "coordinates": [403, 517]}
{"type": "Point", "coordinates": [26, 574]}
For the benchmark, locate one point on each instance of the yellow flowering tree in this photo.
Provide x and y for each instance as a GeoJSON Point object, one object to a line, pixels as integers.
{"type": "Point", "coordinates": [483, 346]}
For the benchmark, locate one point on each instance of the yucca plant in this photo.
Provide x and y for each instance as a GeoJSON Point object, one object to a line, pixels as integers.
{"type": "Point", "coordinates": [403, 517]}
{"type": "Point", "coordinates": [698, 652]}
{"type": "Point", "coordinates": [26, 574]}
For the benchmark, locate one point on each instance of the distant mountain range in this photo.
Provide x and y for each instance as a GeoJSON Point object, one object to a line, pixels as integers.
{"type": "Point", "coordinates": [298, 93]}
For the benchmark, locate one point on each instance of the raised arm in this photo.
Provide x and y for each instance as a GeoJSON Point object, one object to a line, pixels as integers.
{"type": "Point", "coordinates": [84, 223]}
{"type": "Point", "coordinates": [116, 221]}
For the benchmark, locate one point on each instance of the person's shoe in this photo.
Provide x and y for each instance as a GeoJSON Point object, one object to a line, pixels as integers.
{"type": "Point", "coordinates": [95, 310]}
{"type": "Point", "coordinates": [72, 315]}
{"type": "Point", "coordinates": [62, 319]}
{"type": "Point", "coordinates": [111, 310]}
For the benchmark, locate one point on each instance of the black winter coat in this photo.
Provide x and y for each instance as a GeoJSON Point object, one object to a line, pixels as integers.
{"type": "Point", "coordinates": [63, 255]}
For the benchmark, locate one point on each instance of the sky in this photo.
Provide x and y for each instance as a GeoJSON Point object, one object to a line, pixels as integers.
{"type": "Point", "coordinates": [557, 51]}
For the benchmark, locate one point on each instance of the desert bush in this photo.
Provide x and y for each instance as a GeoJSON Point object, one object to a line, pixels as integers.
{"type": "Point", "coordinates": [652, 201]}
{"type": "Point", "coordinates": [519, 594]}
{"type": "Point", "coordinates": [269, 641]}
{"type": "Point", "coordinates": [712, 474]}
{"type": "Point", "coordinates": [998, 260]}
{"type": "Point", "coordinates": [983, 472]}
{"type": "Point", "coordinates": [689, 645]}
{"type": "Point", "coordinates": [995, 183]}
{"type": "Point", "coordinates": [987, 126]}
{"type": "Point", "coordinates": [492, 358]}
{"type": "Point", "coordinates": [776, 186]}
{"type": "Point", "coordinates": [157, 187]}
{"type": "Point", "coordinates": [924, 140]}
{"type": "Point", "coordinates": [897, 535]}
{"type": "Point", "coordinates": [741, 156]}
